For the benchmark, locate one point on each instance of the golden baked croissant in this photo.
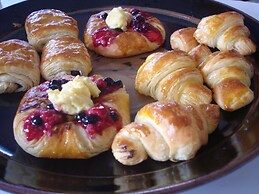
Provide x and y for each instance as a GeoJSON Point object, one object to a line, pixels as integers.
{"type": "Point", "coordinates": [172, 75]}
{"type": "Point", "coordinates": [123, 32]}
{"type": "Point", "coordinates": [19, 66]}
{"type": "Point", "coordinates": [64, 56]}
{"type": "Point", "coordinates": [225, 31]}
{"type": "Point", "coordinates": [164, 131]}
{"type": "Point", "coordinates": [75, 118]}
{"type": "Point", "coordinates": [183, 40]}
{"type": "Point", "coordinates": [229, 75]}
{"type": "Point", "coordinates": [46, 24]}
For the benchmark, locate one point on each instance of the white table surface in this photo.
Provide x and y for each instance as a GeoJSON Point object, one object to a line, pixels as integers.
{"type": "Point", "coordinates": [243, 180]}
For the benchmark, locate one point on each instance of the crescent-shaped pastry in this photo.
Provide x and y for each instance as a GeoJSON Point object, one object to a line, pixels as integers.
{"type": "Point", "coordinates": [64, 55]}
{"type": "Point", "coordinates": [225, 31]}
{"type": "Point", "coordinates": [75, 118]}
{"type": "Point", "coordinates": [46, 24]}
{"type": "Point", "coordinates": [124, 32]}
{"type": "Point", "coordinates": [229, 74]}
{"type": "Point", "coordinates": [19, 66]}
{"type": "Point", "coordinates": [173, 76]}
{"type": "Point", "coordinates": [164, 131]}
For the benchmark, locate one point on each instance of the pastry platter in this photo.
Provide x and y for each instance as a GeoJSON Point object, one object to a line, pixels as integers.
{"type": "Point", "coordinates": [235, 141]}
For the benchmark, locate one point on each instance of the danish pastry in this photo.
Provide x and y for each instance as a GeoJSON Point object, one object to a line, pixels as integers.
{"type": "Point", "coordinates": [183, 40]}
{"type": "Point", "coordinates": [19, 66]}
{"type": "Point", "coordinates": [71, 118]}
{"type": "Point", "coordinates": [229, 75]}
{"type": "Point", "coordinates": [124, 32]}
{"type": "Point", "coordinates": [225, 31]}
{"type": "Point", "coordinates": [64, 55]}
{"type": "Point", "coordinates": [164, 131]}
{"type": "Point", "coordinates": [46, 24]}
{"type": "Point", "coordinates": [173, 76]}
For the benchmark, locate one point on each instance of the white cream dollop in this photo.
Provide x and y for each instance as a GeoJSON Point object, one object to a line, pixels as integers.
{"type": "Point", "coordinates": [75, 95]}
{"type": "Point", "coordinates": [118, 18]}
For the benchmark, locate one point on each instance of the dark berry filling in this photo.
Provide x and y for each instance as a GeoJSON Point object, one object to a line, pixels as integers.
{"type": "Point", "coordinates": [50, 106]}
{"type": "Point", "coordinates": [41, 122]}
{"type": "Point", "coordinates": [75, 73]}
{"type": "Point", "coordinates": [57, 84]}
{"type": "Point", "coordinates": [104, 36]}
{"type": "Point", "coordinates": [108, 85]}
{"type": "Point", "coordinates": [97, 119]}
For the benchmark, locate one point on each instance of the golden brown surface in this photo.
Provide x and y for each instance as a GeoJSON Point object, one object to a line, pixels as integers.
{"type": "Point", "coordinates": [126, 43]}
{"type": "Point", "coordinates": [19, 66]}
{"type": "Point", "coordinates": [225, 31]}
{"type": "Point", "coordinates": [229, 75]}
{"type": "Point", "coordinates": [46, 24]}
{"type": "Point", "coordinates": [172, 75]}
{"type": "Point", "coordinates": [62, 55]}
{"type": "Point", "coordinates": [165, 131]}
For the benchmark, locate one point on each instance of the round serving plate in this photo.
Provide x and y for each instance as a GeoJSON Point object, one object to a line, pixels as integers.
{"type": "Point", "coordinates": [234, 142]}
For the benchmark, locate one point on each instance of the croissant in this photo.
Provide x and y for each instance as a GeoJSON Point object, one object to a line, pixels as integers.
{"type": "Point", "coordinates": [172, 75]}
{"type": "Point", "coordinates": [183, 40]}
{"type": "Point", "coordinates": [80, 122]}
{"type": "Point", "coordinates": [229, 75]}
{"type": "Point", "coordinates": [19, 66]}
{"type": "Point", "coordinates": [164, 131]}
{"type": "Point", "coordinates": [225, 31]}
{"type": "Point", "coordinates": [64, 56]}
{"type": "Point", "coordinates": [46, 24]}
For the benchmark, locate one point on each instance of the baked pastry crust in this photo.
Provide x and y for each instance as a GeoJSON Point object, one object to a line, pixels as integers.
{"type": "Point", "coordinates": [46, 24]}
{"type": "Point", "coordinates": [63, 136]}
{"type": "Point", "coordinates": [229, 74]}
{"type": "Point", "coordinates": [64, 55]}
{"type": "Point", "coordinates": [123, 43]}
{"type": "Point", "coordinates": [225, 31]}
{"type": "Point", "coordinates": [172, 75]}
{"type": "Point", "coordinates": [164, 131]}
{"type": "Point", "coordinates": [19, 66]}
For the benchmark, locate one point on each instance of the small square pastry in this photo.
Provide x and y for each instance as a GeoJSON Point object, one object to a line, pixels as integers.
{"type": "Point", "coordinates": [46, 24]}
{"type": "Point", "coordinates": [123, 32]}
{"type": "Point", "coordinates": [64, 56]}
{"type": "Point", "coordinates": [19, 66]}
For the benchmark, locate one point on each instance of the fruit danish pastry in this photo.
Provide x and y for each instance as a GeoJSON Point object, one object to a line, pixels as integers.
{"type": "Point", "coordinates": [172, 75]}
{"type": "Point", "coordinates": [71, 118]}
{"type": "Point", "coordinates": [64, 55]}
{"type": "Point", "coordinates": [183, 40]}
{"type": "Point", "coordinates": [229, 75]}
{"type": "Point", "coordinates": [19, 66]}
{"type": "Point", "coordinates": [124, 32]}
{"type": "Point", "coordinates": [225, 31]}
{"type": "Point", "coordinates": [46, 24]}
{"type": "Point", "coordinates": [164, 131]}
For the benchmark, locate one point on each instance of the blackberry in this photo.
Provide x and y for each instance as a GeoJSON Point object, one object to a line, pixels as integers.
{"type": "Point", "coordinates": [37, 121]}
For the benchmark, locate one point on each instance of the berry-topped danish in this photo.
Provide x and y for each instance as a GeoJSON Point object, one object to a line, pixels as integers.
{"type": "Point", "coordinates": [123, 32]}
{"type": "Point", "coordinates": [71, 118]}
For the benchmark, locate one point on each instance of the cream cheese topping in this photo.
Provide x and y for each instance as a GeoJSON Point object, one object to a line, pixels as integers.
{"type": "Point", "coordinates": [75, 95]}
{"type": "Point", "coordinates": [118, 18]}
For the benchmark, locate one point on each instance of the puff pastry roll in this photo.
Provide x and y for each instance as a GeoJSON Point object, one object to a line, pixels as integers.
{"type": "Point", "coordinates": [64, 56]}
{"type": "Point", "coordinates": [183, 40]}
{"type": "Point", "coordinates": [229, 75]}
{"type": "Point", "coordinates": [164, 131]}
{"type": "Point", "coordinates": [172, 75]}
{"type": "Point", "coordinates": [123, 32]}
{"type": "Point", "coordinates": [46, 24]}
{"type": "Point", "coordinates": [19, 66]}
{"type": "Point", "coordinates": [75, 118]}
{"type": "Point", "coordinates": [225, 31]}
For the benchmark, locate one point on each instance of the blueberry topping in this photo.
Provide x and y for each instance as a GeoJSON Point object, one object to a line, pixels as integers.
{"type": "Point", "coordinates": [104, 15]}
{"type": "Point", "coordinates": [134, 11]}
{"type": "Point", "coordinates": [75, 72]}
{"type": "Point", "coordinates": [139, 18]}
{"type": "Point", "coordinates": [80, 116]}
{"type": "Point", "coordinates": [63, 81]}
{"type": "Point", "coordinates": [37, 121]}
{"type": "Point", "coordinates": [114, 115]}
{"type": "Point", "coordinates": [50, 106]}
{"type": "Point", "coordinates": [90, 119]}
{"type": "Point", "coordinates": [109, 81]}
{"type": "Point", "coordinates": [118, 83]}
{"type": "Point", "coordinates": [55, 84]}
